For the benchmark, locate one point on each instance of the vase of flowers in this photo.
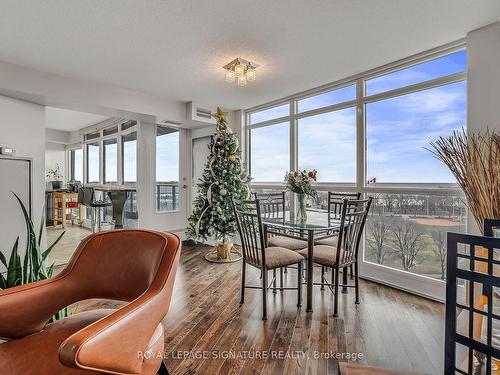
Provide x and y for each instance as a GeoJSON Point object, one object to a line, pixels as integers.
{"type": "Point", "coordinates": [301, 183]}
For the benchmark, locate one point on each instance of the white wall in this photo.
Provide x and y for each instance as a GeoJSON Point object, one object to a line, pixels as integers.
{"type": "Point", "coordinates": [483, 84]}
{"type": "Point", "coordinates": [22, 126]}
{"type": "Point", "coordinates": [55, 150]}
{"type": "Point", "coordinates": [55, 153]}
{"type": "Point", "coordinates": [483, 78]}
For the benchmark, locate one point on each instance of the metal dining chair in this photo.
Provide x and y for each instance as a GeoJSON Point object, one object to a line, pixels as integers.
{"type": "Point", "coordinates": [345, 253]}
{"type": "Point", "coordinates": [335, 202]}
{"type": "Point", "coordinates": [260, 256]}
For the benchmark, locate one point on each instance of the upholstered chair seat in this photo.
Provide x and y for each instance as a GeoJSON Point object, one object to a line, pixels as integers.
{"type": "Point", "coordinates": [330, 241]}
{"type": "Point", "coordinates": [280, 257]}
{"type": "Point", "coordinates": [286, 242]}
{"type": "Point", "coordinates": [322, 254]}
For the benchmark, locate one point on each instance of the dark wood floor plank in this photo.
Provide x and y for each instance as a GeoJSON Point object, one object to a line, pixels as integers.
{"type": "Point", "coordinates": [390, 328]}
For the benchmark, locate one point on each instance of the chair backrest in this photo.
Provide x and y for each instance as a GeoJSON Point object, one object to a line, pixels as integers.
{"type": "Point", "coordinates": [251, 230]}
{"type": "Point", "coordinates": [86, 195]}
{"type": "Point", "coordinates": [120, 264]}
{"type": "Point", "coordinates": [352, 223]}
{"type": "Point", "coordinates": [336, 202]}
{"type": "Point", "coordinates": [272, 204]}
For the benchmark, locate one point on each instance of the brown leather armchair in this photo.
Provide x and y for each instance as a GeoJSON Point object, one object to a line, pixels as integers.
{"type": "Point", "coordinates": [136, 266]}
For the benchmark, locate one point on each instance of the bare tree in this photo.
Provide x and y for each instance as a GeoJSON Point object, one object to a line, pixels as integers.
{"type": "Point", "coordinates": [439, 238]}
{"type": "Point", "coordinates": [379, 229]}
{"type": "Point", "coordinates": [407, 243]}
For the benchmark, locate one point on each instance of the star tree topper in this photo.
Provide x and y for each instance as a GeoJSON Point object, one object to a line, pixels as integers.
{"type": "Point", "coordinates": [220, 116]}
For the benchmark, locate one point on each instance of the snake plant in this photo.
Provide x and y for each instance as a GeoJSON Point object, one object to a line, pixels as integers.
{"type": "Point", "coordinates": [34, 265]}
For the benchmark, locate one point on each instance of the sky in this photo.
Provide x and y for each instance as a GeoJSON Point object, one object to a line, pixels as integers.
{"type": "Point", "coordinates": [397, 130]}
{"type": "Point", "coordinates": [167, 157]}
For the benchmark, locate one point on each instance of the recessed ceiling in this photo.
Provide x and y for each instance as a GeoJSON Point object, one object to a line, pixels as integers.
{"type": "Point", "coordinates": [64, 119]}
{"type": "Point", "coordinates": [177, 48]}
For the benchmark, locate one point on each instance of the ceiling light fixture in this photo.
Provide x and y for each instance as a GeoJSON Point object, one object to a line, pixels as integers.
{"type": "Point", "coordinates": [240, 70]}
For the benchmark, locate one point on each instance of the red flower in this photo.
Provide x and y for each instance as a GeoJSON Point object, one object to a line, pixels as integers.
{"type": "Point", "coordinates": [312, 174]}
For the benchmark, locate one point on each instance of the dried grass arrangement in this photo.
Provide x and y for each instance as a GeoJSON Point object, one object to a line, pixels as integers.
{"type": "Point", "coordinates": [474, 160]}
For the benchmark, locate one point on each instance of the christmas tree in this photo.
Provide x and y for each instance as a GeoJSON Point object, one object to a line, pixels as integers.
{"type": "Point", "coordinates": [223, 177]}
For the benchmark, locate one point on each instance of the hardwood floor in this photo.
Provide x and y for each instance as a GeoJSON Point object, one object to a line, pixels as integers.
{"type": "Point", "coordinates": [207, 331]}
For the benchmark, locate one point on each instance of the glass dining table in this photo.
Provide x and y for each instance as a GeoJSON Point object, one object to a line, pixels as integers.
{"type": "Point", "coordinates": [318, 228]}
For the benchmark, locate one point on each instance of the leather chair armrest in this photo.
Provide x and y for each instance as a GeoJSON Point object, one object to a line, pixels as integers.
{"type": "Point", "coordinates": [26, 309]}
{"type": "Point", "coordinates": [114, 344]}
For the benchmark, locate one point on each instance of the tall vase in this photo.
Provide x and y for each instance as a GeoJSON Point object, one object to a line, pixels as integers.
{"type": "Point", "coordinates": [301, 208]}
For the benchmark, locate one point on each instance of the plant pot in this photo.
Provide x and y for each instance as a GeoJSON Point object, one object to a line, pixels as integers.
{"type": "Point", "coordinates": [224, 249]}
{"type": "Point", "coordinates": [301, 208]}
{"type": "Point", "coordinates": [56, 185]}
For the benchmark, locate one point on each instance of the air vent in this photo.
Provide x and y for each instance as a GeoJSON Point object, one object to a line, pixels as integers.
{"type": "Point", "coordinates": [202, 112]}
{"type": "Point", "coordinates": [198, 113]}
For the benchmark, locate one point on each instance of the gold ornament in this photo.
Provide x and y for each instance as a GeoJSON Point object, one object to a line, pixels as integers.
{"type": "Point", "coordinates": [232, 157]}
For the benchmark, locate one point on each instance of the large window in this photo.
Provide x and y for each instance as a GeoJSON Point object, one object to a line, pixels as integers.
{"type": "Point", "coordinates": [76, 164]}
{"type": "Point", "coordinates": [129, 150]}
{"type": "Point", "coordinates": [167, 168]}
{"type": "Point", "coordinates": [110, 161]}
{"type": "Point", "coordinates": [93, 162]}
{"type": "Point", "coordinates": [327, 142]}
{"type": "Point", "coordinates": [270, 152]}
{"type": "Point", "coordinates": [399, 129]}
{"type": "Point", "coordinates": [371, 134]}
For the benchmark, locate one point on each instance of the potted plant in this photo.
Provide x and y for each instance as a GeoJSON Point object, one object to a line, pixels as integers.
{"type": "Point", "coordinates": [54, 176]}
{"type": "Point", "coordinates": [34, 266]}
{"type": "Point", "coordinates": [301, 183]}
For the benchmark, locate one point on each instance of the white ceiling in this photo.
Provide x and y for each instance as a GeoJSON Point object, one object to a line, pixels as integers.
{"type": "Point", "coordinates": [176, 48]}
{"type": "Point", "coordinates": [63, 119]}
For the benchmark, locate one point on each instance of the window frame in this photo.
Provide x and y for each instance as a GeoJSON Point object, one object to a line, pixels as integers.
{"type": "Point", "coordinates": [418, 284]}
{"type": "Point", "coordinates": [118, 135]}
{"type": "Point", "coordinates": [180, 192]}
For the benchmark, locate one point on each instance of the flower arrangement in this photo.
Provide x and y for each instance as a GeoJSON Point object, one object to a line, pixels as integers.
{"type": "Point", "coordinates": [301, 182]}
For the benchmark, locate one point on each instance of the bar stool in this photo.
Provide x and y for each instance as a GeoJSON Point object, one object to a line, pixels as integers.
{"type": "Point", "coordinates": [86, 197]}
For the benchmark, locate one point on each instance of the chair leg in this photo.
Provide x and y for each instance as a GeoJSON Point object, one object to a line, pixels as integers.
{"type": "Point", "coordinates": [274, 280]}
{"type": "Point", "coordinates": [286, 270]}
{"type": "Point", "coordinates": [264, 294]}
{"type": "Point", "coordinates": [356, 282]}
{"type": "Point", "coordinates": [92, 219]}
{"type": "Point", "coordinates": [98, 219]}
{"type": "Point", "coordinates": [351, 272]}
{"type": "Point", "coordinates": [336, 293]}
{"type": "Point", "coordinates": [242, 300]}
{"type": "Point", "coordinates": [299, 286]}
{"type": "Point", "coordinates": [344, 279]}
{"type": "Point", "coordinates": [281, 278]}
{"type": "Point", "coordinates": [163, 369]}
{"type": "Point", "coordinates": [322, 277]}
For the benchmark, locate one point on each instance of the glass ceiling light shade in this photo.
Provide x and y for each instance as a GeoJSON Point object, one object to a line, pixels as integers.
{"type": "Point", "coordinates": [230, 76]}
{"type": "Point", "coordinates": [251, 75]}
{"type": "Point", "coordinates": [242, 81]}
{"type": "Point", "coordinates": [240, 70]}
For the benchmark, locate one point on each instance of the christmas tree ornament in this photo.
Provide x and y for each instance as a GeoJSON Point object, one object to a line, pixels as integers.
{"type": "Point", "coordinates": [212, 215]}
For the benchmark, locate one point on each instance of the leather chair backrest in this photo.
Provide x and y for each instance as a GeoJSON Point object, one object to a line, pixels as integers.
{"type": "Point", "coordinates": [118, 265]}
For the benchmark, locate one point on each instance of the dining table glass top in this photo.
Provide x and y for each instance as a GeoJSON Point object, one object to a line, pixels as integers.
{"type": "Point", "coordinates": [316, 221]}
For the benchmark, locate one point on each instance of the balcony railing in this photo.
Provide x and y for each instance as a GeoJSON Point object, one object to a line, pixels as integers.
{"type": "Point", "coordinates": [167, 196]}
